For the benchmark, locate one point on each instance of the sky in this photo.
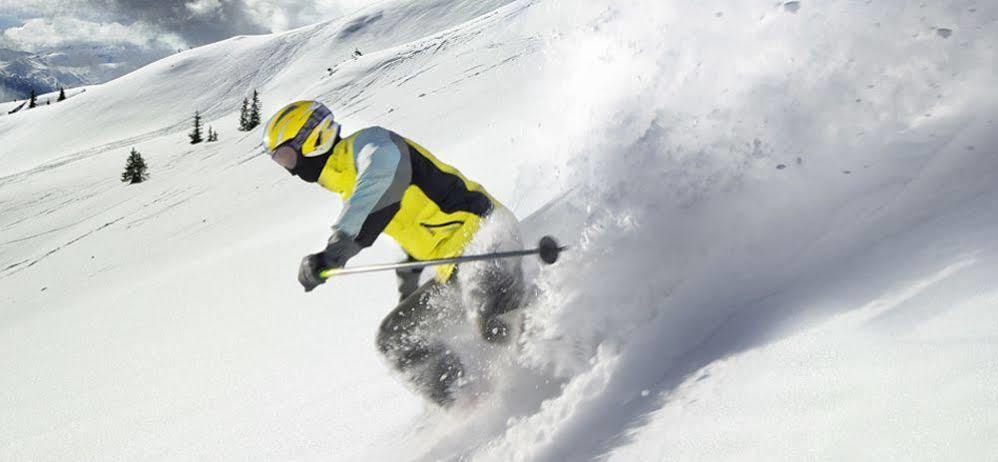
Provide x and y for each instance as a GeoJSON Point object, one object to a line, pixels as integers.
{"type": "Point", "coordinates": [153, 27]}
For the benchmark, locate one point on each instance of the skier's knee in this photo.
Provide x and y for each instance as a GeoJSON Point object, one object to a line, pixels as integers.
{"type": "Point", "coordinates": [501, 299]}
{"type": "Point", "coordinates": [493, 329]}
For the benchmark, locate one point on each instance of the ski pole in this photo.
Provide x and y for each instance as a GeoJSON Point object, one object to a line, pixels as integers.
{"type": "Point", "coordinates": [547, 249]}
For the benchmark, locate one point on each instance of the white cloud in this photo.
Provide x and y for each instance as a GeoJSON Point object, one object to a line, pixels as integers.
{"type": "Point", "coordinates": [49, 24]}
{"type": "Point", "coordinates": [47, 8]}
{"type": "Point", "coordinates": [53, 32]}
{"type": "Point", "coordinates": [204, 7]}
{"type": "Point", "coordinates": [281, 15]}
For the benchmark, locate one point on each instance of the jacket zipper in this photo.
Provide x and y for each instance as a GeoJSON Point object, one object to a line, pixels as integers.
{"type": "Point", "coordinates": [442, 225]}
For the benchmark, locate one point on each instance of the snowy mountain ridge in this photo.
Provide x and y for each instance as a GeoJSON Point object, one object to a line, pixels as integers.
{"type": "Point", "coordinates": [781, 220]}
{"type": "Point", "coordinates": [69, 67]}
{"type": "Point", "coordinates": [21, 72]}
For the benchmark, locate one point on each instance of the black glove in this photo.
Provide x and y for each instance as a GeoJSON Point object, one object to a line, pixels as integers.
{"type": "Point", "coordinates": [339, 249]}
{"type": "Point", "coordinates": [308, 272]}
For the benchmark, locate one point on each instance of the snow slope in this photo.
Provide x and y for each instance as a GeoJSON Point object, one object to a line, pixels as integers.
{"type": "Point", "coordinates": [782, 219]}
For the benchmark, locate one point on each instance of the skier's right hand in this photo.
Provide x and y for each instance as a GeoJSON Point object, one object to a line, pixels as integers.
{"type": "Point", "coordinates": [339, 249]}
{"type": "Point", "coordinates": [308, 272]}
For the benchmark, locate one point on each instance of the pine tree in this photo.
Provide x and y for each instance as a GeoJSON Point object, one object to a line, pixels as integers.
{"type": "Point", "coordinates": [212, 135]}
{"type": "Point", "coordinates": [62, 95]}
{"type": "Point", "coordinates": [196, 135]}
{"type": "Point", "coordinates": [33, 102]}
{"type": "Point", "coordinates": [244, 116]}
{"type": "Point", "coordinates": [254, 114]}
{"type": "Point", "coordinates": [136, 170]}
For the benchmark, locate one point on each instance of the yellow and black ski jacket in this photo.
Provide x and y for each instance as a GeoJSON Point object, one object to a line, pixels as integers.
{"type": "Point", "coordinates": [392, 185]}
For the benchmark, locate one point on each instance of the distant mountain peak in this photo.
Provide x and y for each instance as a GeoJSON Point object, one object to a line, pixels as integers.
{"type": "Point", "coordinates": [73, 66]}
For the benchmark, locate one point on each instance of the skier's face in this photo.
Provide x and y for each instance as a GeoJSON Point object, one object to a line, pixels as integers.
{"type": "Point", "coordinates": [285, 156]}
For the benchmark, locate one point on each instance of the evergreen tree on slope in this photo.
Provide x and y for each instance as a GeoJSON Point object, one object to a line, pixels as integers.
{"type": "Point", "coordinates": [136, 170]}
{"type": "Point", "coordinates": [254, 112]}
{"type": "Point", "coordinates": [196, 136]}
{"type": "Point", "coordinates": [244, 116]}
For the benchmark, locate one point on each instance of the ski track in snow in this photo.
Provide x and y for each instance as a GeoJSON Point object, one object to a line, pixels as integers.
{"type": "Point", "coordinates": [781, 220]}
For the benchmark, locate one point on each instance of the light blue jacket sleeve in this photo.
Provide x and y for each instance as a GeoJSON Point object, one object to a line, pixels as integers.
{"type": "Point", "coordinates": [383, 174]}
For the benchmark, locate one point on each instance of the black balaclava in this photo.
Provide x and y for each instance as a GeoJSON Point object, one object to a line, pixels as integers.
{"type": "Point", "coordinates": [309, 168]}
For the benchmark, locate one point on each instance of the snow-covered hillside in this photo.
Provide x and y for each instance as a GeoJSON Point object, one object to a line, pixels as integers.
{"type": "Point", "coordinates": [782, 220]}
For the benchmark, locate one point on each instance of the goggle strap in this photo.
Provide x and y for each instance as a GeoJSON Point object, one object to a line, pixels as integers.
{"type": "Point", "coordinates": [318, 115]}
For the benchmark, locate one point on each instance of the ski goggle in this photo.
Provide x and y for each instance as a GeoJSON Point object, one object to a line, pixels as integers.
{"type": "Point", "coordinates": [286, 156]}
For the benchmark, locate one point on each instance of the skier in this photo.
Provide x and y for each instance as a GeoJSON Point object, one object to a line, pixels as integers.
{"type": "Point", "coordinates": [391, 185]}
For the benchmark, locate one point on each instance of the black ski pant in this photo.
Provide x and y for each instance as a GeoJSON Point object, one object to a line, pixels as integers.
{"type": "Point", "coordinates": [410, 336]}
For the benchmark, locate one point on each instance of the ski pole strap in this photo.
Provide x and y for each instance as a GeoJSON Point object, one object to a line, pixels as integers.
{"type": "Point", "coordinates": [548, 250]}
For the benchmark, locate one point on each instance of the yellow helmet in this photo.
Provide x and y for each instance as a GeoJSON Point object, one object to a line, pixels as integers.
{"type": "Point", "coordinates": [306, 126]}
